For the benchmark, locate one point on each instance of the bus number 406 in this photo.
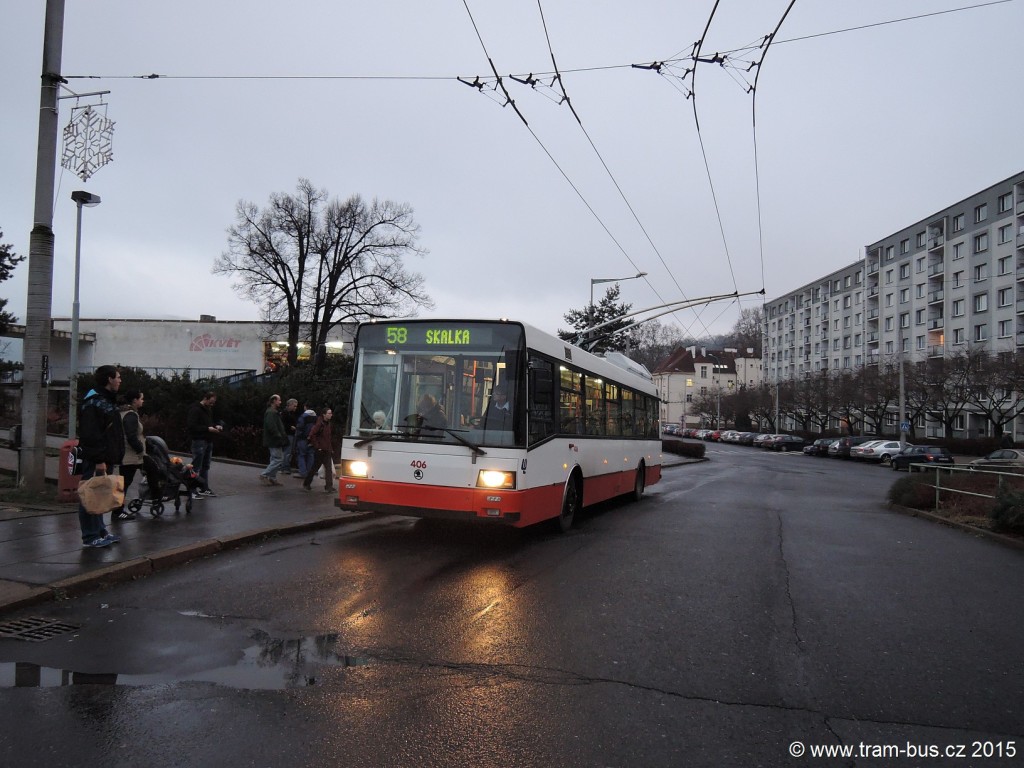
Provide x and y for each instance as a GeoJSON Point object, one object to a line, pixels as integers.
{"type": "Point", "coordinates": [418, 464]}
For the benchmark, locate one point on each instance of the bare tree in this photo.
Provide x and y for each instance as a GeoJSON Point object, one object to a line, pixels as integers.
{"type": "Point", "coordinates": [997, 387]}
{"type": "Point", "coordinates": [948, 381]}
{"type": "Point", "coordinates": [746, 333]}
{"type": "Point", "coordinates": [306, 258]}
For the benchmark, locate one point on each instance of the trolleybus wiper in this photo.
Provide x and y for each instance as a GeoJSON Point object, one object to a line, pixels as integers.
{"type": "Point", "coordinates": [374, 438]}
{"type": "Point", "coordinates": [476, 449]}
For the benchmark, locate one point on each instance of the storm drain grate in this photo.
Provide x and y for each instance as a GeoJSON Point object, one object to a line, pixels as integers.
{"type": "Point", "coordinates": [33, 629]}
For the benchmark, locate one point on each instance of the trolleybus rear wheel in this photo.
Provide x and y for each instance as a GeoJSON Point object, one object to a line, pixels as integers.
{"type": "Point", "coordinates": [638, 484]}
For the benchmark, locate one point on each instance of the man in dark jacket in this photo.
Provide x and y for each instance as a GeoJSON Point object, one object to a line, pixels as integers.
{"type": "Point", "coordinates": [101, 439]}
{"type": "Point", "coordinates": [201, 429]}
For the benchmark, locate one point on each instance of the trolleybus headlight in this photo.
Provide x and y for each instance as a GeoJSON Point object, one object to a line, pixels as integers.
{"type": "Point", "coordinates": [492, 478]}
{"type": "Point", "coordinates": [354, 468]}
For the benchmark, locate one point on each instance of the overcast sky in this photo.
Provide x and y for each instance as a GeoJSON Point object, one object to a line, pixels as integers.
{"type": "Point", "coordinates": [859, 134]}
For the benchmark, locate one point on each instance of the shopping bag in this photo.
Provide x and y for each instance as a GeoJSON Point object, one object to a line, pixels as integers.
{"type": "Point", "coordinates": [101, 493]}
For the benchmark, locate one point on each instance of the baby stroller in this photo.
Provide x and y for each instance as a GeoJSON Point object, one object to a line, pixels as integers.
{"type": "Point", "coordinates": [156, 470]}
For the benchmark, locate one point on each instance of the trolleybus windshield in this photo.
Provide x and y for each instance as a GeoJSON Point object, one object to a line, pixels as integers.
{"type": "Point", "coordinates": [440, 382]}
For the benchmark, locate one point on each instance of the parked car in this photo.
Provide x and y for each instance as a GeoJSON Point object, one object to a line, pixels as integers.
{"type": "Point", "coordinates": [670, 429]}
{"type": "Point", "coordinates": [759, 441]}
{"type": "Point", "coordinates": [877, 450]}
{"type": "Point", "coordinates": [746, 438]}
{"type": "Point", "coordinates": [786, 443]}
{"type": "Point", "coordinates": [920, 454]}
{"type": "Point", "coordinates": [841, 448]}
{"type": "Point", "coordinates": [1004, 458]}
{"type": "Point", "coordinates": [820, 446]}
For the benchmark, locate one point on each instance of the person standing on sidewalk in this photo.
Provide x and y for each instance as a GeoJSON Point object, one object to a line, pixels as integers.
{"type": "Point", "coordinates": [134, 447]}
{"type": "Point", "coordinates": [288, 417]}
{"type": "Point", "coordinates": [201, 429]}
{"type": "Point", "coordinates": [101, 438]}
{"type": "Point", "coordinates": [274, 439]}
{"type": "Point", "coordinates": [320, 440]}
{"type": "Point", "coordinates": [303, 451]}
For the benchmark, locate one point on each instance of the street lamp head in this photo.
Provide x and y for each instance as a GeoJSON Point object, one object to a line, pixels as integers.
{"type": "Point", "coordinates": [88, 199]}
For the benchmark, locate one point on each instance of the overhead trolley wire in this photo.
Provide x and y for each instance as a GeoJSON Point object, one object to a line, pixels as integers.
{"type": "Point", "coordinates": [618, 187]}
{"type": "Point", "coordinates": [753, 119]}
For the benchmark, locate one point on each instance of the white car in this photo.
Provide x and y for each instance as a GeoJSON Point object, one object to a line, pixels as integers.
{"type": "Point", "coordinates": [877, 450]}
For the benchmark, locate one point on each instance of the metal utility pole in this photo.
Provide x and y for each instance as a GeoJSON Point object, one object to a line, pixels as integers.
{"type": "Point", "coordinates": [35, 379]}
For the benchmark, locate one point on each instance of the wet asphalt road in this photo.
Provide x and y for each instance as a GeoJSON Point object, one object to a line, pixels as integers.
{"type": "Point", "coordinates": [747, 603]}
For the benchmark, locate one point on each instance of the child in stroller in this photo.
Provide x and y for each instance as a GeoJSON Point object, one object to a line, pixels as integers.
{"type": "Point", "coordinates": [168, 479]}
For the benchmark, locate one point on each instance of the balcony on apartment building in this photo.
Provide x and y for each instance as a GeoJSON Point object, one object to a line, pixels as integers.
{"type": "Point", "coordinates": [872, 292]}
{"type": "Point", "coordinates": [936, 324]}
{"type": "Point", "coordinates": [935, 297]}
{"type": "Point", "coordinates": [872, 337]}
{"type": "Point", "coordinates": [1020, 306]}
{"type": "Point", "coordinates": [936, 239]}
{"type": "Point", "coordinates": [873, 268]}
{"type": "Point", "coordinates": [935, 351]}
{"type": "Point", "coordinates": [936, 269]}
{"type": "Point", "coordinates": [872, 314]}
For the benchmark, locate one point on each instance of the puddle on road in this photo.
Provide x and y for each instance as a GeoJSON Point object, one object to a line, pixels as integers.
{"type": "Point", "coordinates": [270, 664]}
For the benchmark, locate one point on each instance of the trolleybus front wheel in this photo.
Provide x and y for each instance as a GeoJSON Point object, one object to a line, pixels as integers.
{"type": "Point", "coordinates": [570, 504]}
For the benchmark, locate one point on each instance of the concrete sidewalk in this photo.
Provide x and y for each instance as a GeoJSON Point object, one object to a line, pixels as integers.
{"type": "Point", "coordinates": [42, 558]}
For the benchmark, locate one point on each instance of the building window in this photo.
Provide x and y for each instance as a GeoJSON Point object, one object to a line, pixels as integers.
{"type": "Point", "coordinates": [904, 295]}
{"type": "Point", "coordinates": [835, 344]}
{"type": "Point", "coordinates": [1005, 328]}
{"type": "Point", "coordinates": [905, 320]}
{"type": "Point", "coordinates": [846, 322]}
{"type": "Point", "coordinates": [1004, 265]}
{"type": "Point", "coordinates": [1005, 233]}
{"type": "Point", "coordinates": [858, 297]}
{"type": "Point", "coordinates": [890, 254]}
{"type": "Point", "coordinates": [919, 317]}
{"type": "Point", "coordinates": [847, 282]}
{"type": "Point", "coordinates": [958, 222]}
{"type": "Point", "coordinates": [846, 302]}
{"type": "Point", "coordinates": [958, 335]}
{"type": "Point", "coordinates": [920, 264]}
{"type": "Point", "coordinates": [981, 332]}
{"type": "Point", "coordinates": [858, 277]}
{"type": "Point", "coordinates": [888, 323]}
{"type": "Point", "coordinates": [836, 285]}
{"type": "Point", "coordinates": [905, 246]}
{"type": "Point", "coordinates": [980, 273]}
{"type": "Point", "coordinates": [689, 397]}
{"type": "Point", "coordinates": [905, 345]}
{"type": "Point", "coordinates": [1005, 202]}
{"type": "Point", "coordinates": [981, 242]}
{"type": "Point", "coordinates": [904, 271]}
{"type": "Point", "coordinates": [703, 390]}
{"type": "Point", "coordinates": [981, 302]}
{"type": "Point", "coordinates": [703, 371]}
{"type": "Point", "coordinates": [919, 291]}
{"type": "Point", "coordinates": [888, 348]}
{"type": "Point", "coordinates": [846, 362]}
{"type": "Point", "coordinates": [920, 239]}
{"type": "Point", "coordinates": [1005, 297]}
{"type": "Point", "coordinates": [920, 342]}
{"type": "Point", "coordinates": [888, 299]}
{"type": "Point", "coordinates": [958, 422]}
{"type": "Point", "coordinates": [958, 251]}
{"type": "Point", "coordinates": [888, 276]}
{"type": "Point", "coordinates": [958, 279]}
{"type": "Point", "coordinates": [980, 213]}
{"type": "Point", "coordinates": [856, 340]}
{"type": "Point", "coordinates": [958, 308]}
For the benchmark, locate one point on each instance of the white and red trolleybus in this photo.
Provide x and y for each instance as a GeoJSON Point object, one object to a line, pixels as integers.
{"type": "Point", "coordinates": [422, 437]}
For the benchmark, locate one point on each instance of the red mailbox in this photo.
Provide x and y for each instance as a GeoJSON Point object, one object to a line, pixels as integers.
{"type": "Point", "coordinates": [69, 472]}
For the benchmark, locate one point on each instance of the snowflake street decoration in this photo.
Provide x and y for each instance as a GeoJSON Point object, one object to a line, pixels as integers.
{"type": "Point", "coordinates": [88, 142]}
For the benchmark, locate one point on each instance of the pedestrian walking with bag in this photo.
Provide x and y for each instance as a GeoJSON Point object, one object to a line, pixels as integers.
{"type": "Point", "coordinates": [320, 439]}
{"type": "Point", "coordinates": [101, 439]}
{"type": "Point", "coordinates": [134, 447]}
{"type": "Point", "coordinates": [274, 440]}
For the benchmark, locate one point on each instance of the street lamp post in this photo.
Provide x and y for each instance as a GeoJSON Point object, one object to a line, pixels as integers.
{"type": "Point", "coordinates": [595, 280]}
{"type": "Point", "coordinates": [88, 200]}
